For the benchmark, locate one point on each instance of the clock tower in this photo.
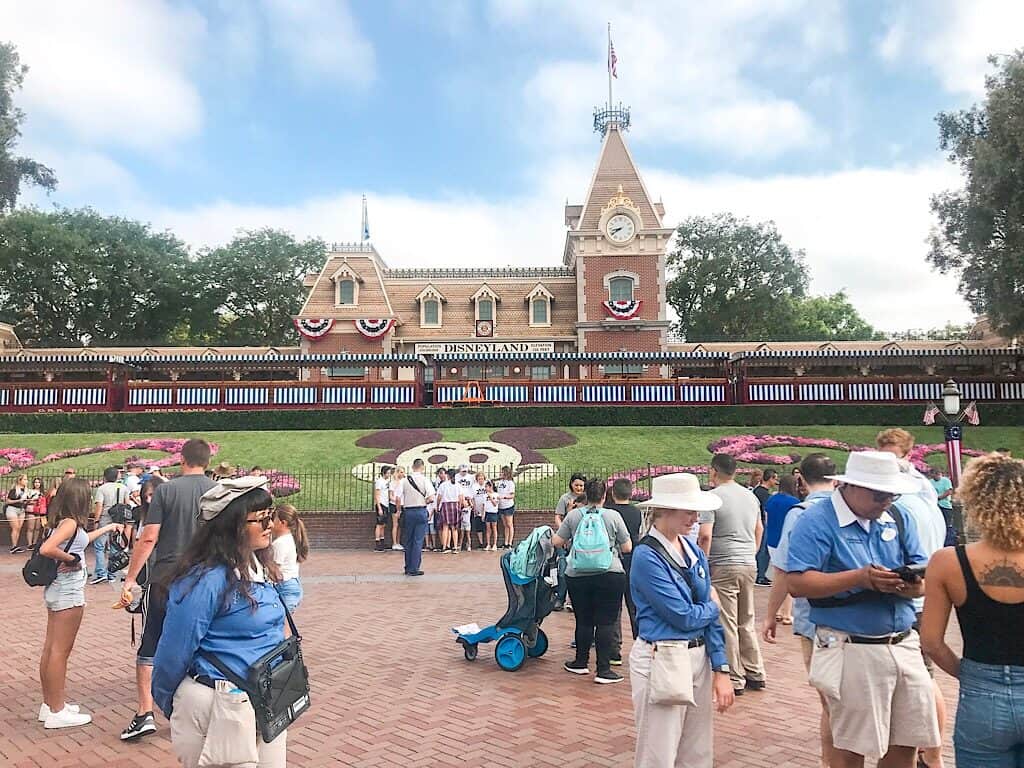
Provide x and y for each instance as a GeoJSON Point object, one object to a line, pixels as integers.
{"type": "Point", "coordinates": [616, 245]}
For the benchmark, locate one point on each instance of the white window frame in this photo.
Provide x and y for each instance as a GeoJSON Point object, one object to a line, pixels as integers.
{"type": "Point", "coordinates": [337, 292]}
{"type": "Point", "coordinates": [633, 276]}
{"type": "Point", "coordinates": [485, 292]}
{"type": "Point", "coordinates": [539, 292]}
{"type": "Point", "coordinates": [430, 293]}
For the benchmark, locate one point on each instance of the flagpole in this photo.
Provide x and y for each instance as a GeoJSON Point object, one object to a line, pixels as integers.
{"type": "Point", "coordinates": [608, 63]}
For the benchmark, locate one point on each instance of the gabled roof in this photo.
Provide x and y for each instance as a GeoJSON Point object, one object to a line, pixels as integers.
{"type": "Point", "coordinates": [430, 291]}
{"type": "Point", "coordinates": [344, 270]}
{"type": "Point", "coordinates": [485, 291]}
{"type": "Point", "coordinates": [615, 168]}
{"type": "Point", "coordinates": [540, 290]}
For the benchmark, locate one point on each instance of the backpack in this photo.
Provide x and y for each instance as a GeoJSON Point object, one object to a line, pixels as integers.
{"type": "Point", "coordinates": [591, 548]}
{"type": "Point", "coordinates": [527, 560]}
{"type": "Point", "coordinates": [40, 570]}
{"type": "Point", "coordinates": [120, 512]}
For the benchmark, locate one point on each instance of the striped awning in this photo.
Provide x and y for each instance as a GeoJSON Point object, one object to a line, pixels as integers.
{"type": "Point", "coordinates": [585, 357]}
{"type": "Point", "coordinates": [890, 352]}
{"type": "Point", "coordinates": [29, 362]}
{"type": "Point", "coordinates": [267, 361]}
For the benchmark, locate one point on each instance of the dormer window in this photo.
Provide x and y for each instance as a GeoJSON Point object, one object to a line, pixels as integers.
{"type": "Point", "coordinates": [346, 286]}
{"type": "Point", "coordinates": [430, 300]}
{"type": "Point", "coordinates": [485, 301]}
{"type": "Point", "coordinates": [539, 301]}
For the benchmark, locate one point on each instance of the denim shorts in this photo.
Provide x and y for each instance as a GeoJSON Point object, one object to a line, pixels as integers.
{"type": "Point", "coordinates": [510, 511]}
{"type": "Point", "coordinates": [291, 593]}
{"type": "Point", "coordinates": [66, 591]}
{"type": "Point", "coordinates": [989, 730]}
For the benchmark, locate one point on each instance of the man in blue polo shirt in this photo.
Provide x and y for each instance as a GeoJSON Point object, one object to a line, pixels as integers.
{"type": "Point", "coordinates": [843, 557]}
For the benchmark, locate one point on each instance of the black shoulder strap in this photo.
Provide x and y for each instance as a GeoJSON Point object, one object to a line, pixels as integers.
{"type": "Point", "coordinates": [901, 530]}
{"type": "Point", "coordinates": [659, 548]}
{"type": "Point", "coordinates": [415, 487]}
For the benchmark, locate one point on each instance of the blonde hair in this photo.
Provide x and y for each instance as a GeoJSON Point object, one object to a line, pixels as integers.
{"type": "Point", "coordinates": [289, 515]}
{"type": "Point", "coordinates": [896, 437]}
{"type": "Point", "coordinates": [992, 490]}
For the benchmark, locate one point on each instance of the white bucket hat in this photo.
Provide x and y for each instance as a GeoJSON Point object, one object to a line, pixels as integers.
{"type": "Point", "coordinates": [878, 471]}
{"type": "Point", "coordinates": [215, 500]}
{"type": "Point", "coordinates": [681, 491]}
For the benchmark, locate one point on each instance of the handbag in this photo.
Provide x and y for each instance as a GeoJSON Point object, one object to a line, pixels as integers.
{"type": "Point", "coordinates": [40, 570]}
{"type": "Point", "coordinates": [277, 683]}
{"type": "Point", "coordinates": [670, 680]}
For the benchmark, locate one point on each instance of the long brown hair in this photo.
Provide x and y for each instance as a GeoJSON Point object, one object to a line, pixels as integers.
{"type": "Point", "coordinates": [223, 541]}
{"type": "Point", "coordinates": [286, 513]}
{"type": "Point", "coordinates": [72, 500]}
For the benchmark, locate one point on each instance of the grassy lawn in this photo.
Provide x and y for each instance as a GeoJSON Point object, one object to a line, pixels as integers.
{"type": "Point", "coordinates": [321, 460]}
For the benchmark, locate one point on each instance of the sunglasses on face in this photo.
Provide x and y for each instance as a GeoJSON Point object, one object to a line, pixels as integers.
{"type": "Point", "coordinates": [881, 496]}
{"type": "Point", "coordinates": [264, 521]}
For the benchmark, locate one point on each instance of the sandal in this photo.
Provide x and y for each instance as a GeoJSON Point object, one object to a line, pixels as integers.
{"type": "Point", "coordinates": [778, 617]}
{"type": "Point", "coordinates": [788, 620]}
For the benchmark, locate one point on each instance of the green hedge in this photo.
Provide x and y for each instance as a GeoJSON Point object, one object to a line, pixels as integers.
{"type": "Point", "coordinates": [582, 416]}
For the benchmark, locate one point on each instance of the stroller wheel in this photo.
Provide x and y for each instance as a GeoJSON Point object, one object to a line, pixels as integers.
{"type": "Point", "coordinates": [470, 651]}
{"type": "Point", "coordinates": [510, 653]}
{"type": "Point", "coordinates": [540, 646]}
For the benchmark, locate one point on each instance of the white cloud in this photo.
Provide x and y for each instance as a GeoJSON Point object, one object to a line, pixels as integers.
{"type": "Point", "coordinates": [113, 71]}
{"type": "Point", "coordinates": [863, 230]}
{"type": "Point", "coordinates": [689, 69]}
{"type": "Point", "coordinates": [953, 38]}
{"type": "Point", "coordinates": [320, 38]}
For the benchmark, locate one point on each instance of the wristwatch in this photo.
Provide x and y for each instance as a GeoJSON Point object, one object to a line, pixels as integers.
{"type": "Point", "coordinates": [723, 668]}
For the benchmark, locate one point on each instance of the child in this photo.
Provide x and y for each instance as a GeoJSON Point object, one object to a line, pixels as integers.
{"type": "Point", "coordinates": [477, 493]}
{"type": "Point", "coordinates": [291, 547]}
{"type": "Point", "coordinates": [381, 507]}
{"type": "Point", "coordinates": [451, 516]}
{"type": "Point", "coordinates": [466, 512]}
{"type": "Point", "coordinates": [490, 505]}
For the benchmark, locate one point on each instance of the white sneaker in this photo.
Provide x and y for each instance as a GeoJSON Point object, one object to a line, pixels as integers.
{"type": "Point", "coordinates": [66, 719]}
{"type": "Point", "coordinates": [398, 547]}
{"type": "Point", "coordinates": [44, 711]}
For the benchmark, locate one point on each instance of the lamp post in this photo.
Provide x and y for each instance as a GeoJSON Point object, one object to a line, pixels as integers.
{"type": "Point", "coordinates": [954, 431]}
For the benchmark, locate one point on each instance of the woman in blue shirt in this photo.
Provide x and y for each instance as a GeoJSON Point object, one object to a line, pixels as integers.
{"type": "Point", "coordinates": [674, 607]}
{"type": "Point", "coordinates": [222, 602]}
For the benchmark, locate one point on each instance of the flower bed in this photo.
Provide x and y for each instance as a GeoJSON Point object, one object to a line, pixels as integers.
{"type": "Point", "coordinates": [17, 458]}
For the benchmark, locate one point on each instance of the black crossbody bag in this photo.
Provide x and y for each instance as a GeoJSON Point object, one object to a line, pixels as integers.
{"type": "Point", "coordinates": [277, 683]}
{"type": "Point", "coordinates": [40, 570]}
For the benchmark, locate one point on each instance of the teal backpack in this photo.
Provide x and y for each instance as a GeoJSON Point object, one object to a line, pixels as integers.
{"type": "Point", "coordinates": [591, 549]}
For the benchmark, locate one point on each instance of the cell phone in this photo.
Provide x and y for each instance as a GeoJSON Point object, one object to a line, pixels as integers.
{"type": "Point", "coordinates": [911, 572]}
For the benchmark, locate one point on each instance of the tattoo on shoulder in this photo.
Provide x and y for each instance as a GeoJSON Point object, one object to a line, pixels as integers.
{"type": "Point", "coordinates": [1002, 574]}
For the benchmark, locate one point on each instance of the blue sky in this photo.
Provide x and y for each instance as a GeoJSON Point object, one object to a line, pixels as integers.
{"type": "Point", "coordinates": [467, 124]}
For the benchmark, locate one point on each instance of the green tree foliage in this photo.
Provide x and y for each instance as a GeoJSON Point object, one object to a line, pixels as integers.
{"type": "Point", "coordinates": [15, 170]}
{"type": "Point", "coordinates": [738, 280]}
{"type": "Point", "coordinates": [980, 236]}
{"type": "Point", "coordinates": [254, 286]}
{"type": "Point", "coordinates": [73, 277]}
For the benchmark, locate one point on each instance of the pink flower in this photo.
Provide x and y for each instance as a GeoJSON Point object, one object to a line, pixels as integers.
{"type": "Point", "coordinates": [17, 458]}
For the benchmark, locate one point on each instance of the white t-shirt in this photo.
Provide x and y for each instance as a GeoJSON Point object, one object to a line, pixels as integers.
{"type": "Point", "coordinates": [478, 493]}
{"type": "Point", "coordinates": [506, 488]}
{"type": "Point", "coordinates": [394, 489]}
{"type": "Point", "coordinates": [286, 557]}
{"type": "Point", "coordinates": [132, 482]}
{"type": "Point", "coordinates": [465, 484]}
{"type": "Point", "coordinates": [381, 486]}
{"type": "Point", "coordinates": [490, 503]}
{"type": "Point", "coordinates": [449, 492]}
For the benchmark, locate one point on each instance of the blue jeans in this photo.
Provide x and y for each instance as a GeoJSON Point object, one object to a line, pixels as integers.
{"type": "Point", "coordinates": [414, 529]}
{"type": "Point", "coordinates": [989, 730]}
{"type": "Point", "coordinates": [291, 593]}
{"type": "Point", "coordinates": [99, 549]}
{"type": "Point", "coordinates": [763, 560]}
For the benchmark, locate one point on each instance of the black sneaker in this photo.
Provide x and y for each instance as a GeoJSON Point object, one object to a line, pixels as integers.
{"type": "Point", "coordinates": [576, 667]}
{"type": "Point", "coordinates": [141, 725]}
{"type": "Point", "coordinates": [98, 580]}
{"type": "Point", "coordinates": [17, 550]}
{"type": "Point", "coordinates": [763, 582]}
{"type": "Point", "coordinates": [737, 691]}
{"type": "Point", "coordinates": [608, 678]}
{"type": "Point", "coordinates": [755, 685]}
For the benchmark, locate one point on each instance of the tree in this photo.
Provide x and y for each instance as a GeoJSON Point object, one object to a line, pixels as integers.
{"type": "Point", "coordinates": [734, 279]}
{"type": "Point", "coordinates": [831, 318]}
{"type": "Point", "coordinates": [15, 170]}
{"type": "Point", "coordinates": [73, 277]}
{"type": "Point", "coordinates": [980, 236]}
{"type": "Point", "coordinates": [256, 283]}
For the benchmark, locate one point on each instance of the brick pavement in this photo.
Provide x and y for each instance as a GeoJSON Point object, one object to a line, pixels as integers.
{"type": "Point", "coordinates": [390, 687]}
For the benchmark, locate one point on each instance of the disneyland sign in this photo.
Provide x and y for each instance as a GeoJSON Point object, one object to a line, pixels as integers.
{"type": "Point", "coordinates": [475, 347]}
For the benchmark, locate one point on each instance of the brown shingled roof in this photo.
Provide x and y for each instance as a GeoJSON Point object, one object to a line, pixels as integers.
{"type": "Point", "coordinates": [615, 167]}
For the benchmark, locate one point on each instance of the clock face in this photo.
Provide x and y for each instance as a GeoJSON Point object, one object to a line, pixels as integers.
{"type": "Point", "coordinates": [484, 328]}
{"type": "Point", "coordinates": [620, 228]}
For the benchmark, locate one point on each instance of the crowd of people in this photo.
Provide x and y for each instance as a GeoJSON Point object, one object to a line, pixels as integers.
{"type": "Point", "coordinates": [863, 564]}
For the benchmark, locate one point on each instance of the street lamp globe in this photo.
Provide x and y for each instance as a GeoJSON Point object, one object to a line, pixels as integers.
{"type": "Point", "coordinates": [951, 398]}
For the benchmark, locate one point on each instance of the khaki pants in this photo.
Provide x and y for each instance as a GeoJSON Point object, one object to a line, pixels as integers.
{"type": "Point", "coordinates": [189, 722]}
{"type": "Point", "coordinates": [670, 736]}
{"type": "Point", "coordinates": [735, 586]}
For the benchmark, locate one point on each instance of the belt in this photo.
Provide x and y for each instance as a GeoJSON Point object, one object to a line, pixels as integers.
{"type": "Point", "coordinates": [697, 642]}
{"type": "Point", "coordinates": [884, 640]}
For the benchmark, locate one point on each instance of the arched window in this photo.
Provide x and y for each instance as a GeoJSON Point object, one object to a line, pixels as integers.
{"type": "Point", "coordinates": [485, 309]}
{"type": "Point", "coordinates": [431, 312]}
{"type": "Point", "coordinates": [346, 292]}
{"type": "Point", "coordinates": [539, 311]}
{"type": "Point", "coordinates": [620, 289]}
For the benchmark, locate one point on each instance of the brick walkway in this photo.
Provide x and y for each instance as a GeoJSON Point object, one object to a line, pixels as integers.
{"type": "Point", "coordinates": [390, 686]}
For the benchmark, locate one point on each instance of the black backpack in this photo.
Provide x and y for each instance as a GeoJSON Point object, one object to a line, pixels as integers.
{"type": "Point", "coordinates": [120, 512]}
{"type": "Point", "coordinates": [40, 570]}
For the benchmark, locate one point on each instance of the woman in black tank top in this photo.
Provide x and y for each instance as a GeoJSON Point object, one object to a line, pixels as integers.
{"type": "Point", "coordinates": [985, 583]}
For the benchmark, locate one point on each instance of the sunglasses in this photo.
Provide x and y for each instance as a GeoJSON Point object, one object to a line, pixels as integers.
{"type": "Point", "coordinates": [881, 496]}
{"type": "Point", "coordinates": [264, 521]}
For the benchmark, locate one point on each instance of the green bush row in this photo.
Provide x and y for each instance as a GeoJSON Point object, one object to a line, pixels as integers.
{"type": "Point", "coordinates": [583, 416]}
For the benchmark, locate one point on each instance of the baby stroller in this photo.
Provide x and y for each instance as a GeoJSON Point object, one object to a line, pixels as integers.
{"type": "Point", "coordinates": [530, 598]}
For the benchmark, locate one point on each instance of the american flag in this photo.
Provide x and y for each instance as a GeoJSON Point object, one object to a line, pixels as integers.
{"type": "Point", "coordinates": [612, 59]}
{"type": "Point", "coordinates": [971, 415]}
{"type": "Point", "coordinates": [930, 413]}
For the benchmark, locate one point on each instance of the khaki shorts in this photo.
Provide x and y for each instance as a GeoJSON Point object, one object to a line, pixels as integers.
{"type": "Point", "coordinates": [877, 695]}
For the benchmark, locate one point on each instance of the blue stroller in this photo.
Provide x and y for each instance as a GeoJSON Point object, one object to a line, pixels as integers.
{"type": "Point", "coordinates": [517, 634]}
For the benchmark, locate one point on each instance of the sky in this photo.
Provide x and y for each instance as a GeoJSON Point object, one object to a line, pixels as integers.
{"type": "Point", "coordinates": [468, 125]}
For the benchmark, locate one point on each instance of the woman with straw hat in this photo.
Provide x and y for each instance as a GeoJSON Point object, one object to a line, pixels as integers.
{"type": "Point", "coordinates": [678, 667]}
